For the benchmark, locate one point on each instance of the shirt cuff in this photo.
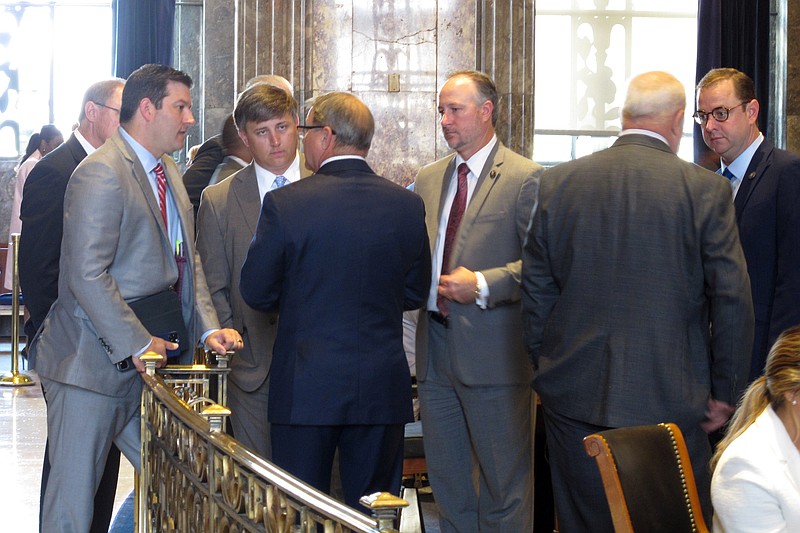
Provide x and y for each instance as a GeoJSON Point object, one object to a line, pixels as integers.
{"type": "Point", "coordinates": [481, 292]}
{"type": "Point", "coordinates": [206, 334]}
{"type": "Point", "coordinates": [144, 349]}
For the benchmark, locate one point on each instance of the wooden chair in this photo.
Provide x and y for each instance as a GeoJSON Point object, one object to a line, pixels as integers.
{"type": "Point", "coordinates": [648, 479]}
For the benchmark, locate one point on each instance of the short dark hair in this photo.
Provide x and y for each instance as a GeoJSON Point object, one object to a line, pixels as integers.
{"type": "Point", "coordinates": [148, 81]}
{"type": "Point", "coordinates": [742, 83]}
{"type": "Point", "coordinates": [230, 135]}
{"type": "Point", "coordinates": [263, 101]}
{"type": "Point", "coordinates": [487, 90]}
{"type": "Point", "coordinates": [99, 93]}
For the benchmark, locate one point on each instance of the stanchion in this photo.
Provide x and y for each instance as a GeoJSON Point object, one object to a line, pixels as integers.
{"type": "Point", "coordinates": [15, 378]}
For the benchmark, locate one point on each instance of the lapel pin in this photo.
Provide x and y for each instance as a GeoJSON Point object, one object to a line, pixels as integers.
{"type": "Point", "coordinates": [751, 175]}
{"type": "Point", "coordinates": [493, 174]}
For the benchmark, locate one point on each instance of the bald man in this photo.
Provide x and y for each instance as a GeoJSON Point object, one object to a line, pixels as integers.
{"type": "Point", "coordinates": [632, 260]}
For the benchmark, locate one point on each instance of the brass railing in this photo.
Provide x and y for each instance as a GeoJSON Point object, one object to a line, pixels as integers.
{"type": "Point", "coordinates": [195, 478]}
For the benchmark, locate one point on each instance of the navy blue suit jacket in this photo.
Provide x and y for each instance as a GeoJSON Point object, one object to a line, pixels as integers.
{"type": "Point", "coordinates": [42, 214]}
{"type": "Point", "coordinates": [768, 216]}
{"type": "Point", "coordinates": [340, 255]}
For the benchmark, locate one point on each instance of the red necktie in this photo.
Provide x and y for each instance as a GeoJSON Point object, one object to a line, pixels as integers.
{"type": "Point", "coordinates": [456, 214]}
{"type": "Point", "coordinates": [161, 182]}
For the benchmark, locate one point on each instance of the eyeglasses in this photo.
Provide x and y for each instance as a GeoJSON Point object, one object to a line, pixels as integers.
{"type": "Point", "coordinates": [304, 129]}
{"type": "Point", "coordinates": [720, 114]}
{"type": "Point", "coordinates": [106, 106]}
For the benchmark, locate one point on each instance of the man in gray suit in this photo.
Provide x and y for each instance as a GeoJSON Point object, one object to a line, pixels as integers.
{"type": "Point", "coordinates": [266, 117]}
{"type": "Point", "coordinates": [474, 378]}
{"type": "Point", "coordinates": [636, 298]}
{"type": "Point", "coordinates": [118, 246]}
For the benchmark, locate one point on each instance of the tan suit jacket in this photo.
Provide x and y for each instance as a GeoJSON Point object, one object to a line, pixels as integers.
{"type": "Point", "coordinates": [226, 223]}
{"type": "Point", "coordinates": [490, 238]}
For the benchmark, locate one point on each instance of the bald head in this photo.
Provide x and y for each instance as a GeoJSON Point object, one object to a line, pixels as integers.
{"type": "Point", "coordinates": [656, 101]}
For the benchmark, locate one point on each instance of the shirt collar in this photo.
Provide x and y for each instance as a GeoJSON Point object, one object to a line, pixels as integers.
{"type": "Point", "coordinates": [267, 177]}
{"type": "Point", "coordinates": [340, 157]}
{"type": "Point", "coordinates": [738, 166]}
{"type": "Point", "coordinates": [478, 159]}
{"type": "Point", "coordinates": [654, 135]}
{"type": "Point", "coordinates": [147, 159]}
{"type": "Point", "coordinates": [87, 146]}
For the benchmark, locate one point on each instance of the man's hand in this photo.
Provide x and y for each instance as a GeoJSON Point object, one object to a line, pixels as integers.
{"type": "Point", "coordinates": [158, 345]}
{"type": "Point", "coordinates": [717, 414]}
{"type": "Point", "coordinates": [223, 340]}
{"type": "Point", "coordinates": [459, 285]}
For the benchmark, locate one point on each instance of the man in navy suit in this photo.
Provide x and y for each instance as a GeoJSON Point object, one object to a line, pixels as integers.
{"type": "Point", "coordinates": [766, 190]}
{"type": "Point", "coordinates": [42, 213]}
{"type": "Point", "coordinates": [340, 255]}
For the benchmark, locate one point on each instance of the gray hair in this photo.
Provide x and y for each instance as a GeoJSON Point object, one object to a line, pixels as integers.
{"type": "Point", "coordinates": [99, 93]}
{"type": "Point", "coordinates": [653, 95]}
{"type": "Point", "coordinates": [349, 118]}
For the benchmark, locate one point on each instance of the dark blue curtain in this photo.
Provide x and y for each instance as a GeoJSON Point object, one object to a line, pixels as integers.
{"type": "Point", "coordinates": [734, 33]}
{"type": "Point", "coordinates": [143, 32]}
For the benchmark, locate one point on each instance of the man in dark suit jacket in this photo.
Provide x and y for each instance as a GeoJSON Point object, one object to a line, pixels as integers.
{"type": "Point", "coordinates": [636, 298]}
{"type": "Point", "coordinates": [41, 213]}
{"type": "Point", "coordinates": [198, 174]}
{"type": "Point", "coordinates": [766, 187]}
{"type": "Point", "coordinates": [473, 375]}
{"type": "Point", "coordinates": [116, 221]}
{"type": "Point", "coordinates": [237, 154]}
{"type": "Point", "coordinates": [267, 119]}
{"type": "Point", "coordinates": [340, 255]}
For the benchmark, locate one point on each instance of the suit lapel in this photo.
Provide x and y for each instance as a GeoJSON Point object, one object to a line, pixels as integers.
{"type": "Point", "coordinates": [245, 189]}
{"type": "Point", "coordinates": [433, 229]}
{"type": "Point", "coordinates": [488, 177]}
{"type": "Point", "coordinates": [140, 174]}
{"type": "Point", "coordinates": [761, 161]}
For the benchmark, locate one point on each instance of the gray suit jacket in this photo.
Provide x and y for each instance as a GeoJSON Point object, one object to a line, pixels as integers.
{"type": "Point", "coordinates": [632, 260]}
{"type": "Point", "coordinates": [115, 249]}
{"type": "Point", "coordinates": [490, 238]}
{"type": "Point", "coordinates": [226, 223]}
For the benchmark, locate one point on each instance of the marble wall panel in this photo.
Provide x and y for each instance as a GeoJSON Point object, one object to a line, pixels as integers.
{"type": "Point", "coordinates": [793, 76]}
{"type": "Point", "coordinates": [218, 60]}
{"type": "Point", "coordinates": [391, 39]}
{"type": "Point", "coordinates": [331, 41]}
{"type": "Point", "coordinates": [188, 57]}
{"type": "Point", "coordinates": [405, 135]}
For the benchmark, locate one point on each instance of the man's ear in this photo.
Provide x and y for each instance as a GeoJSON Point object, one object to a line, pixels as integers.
{"type": "Point", "coordinates": [487, 108]}
{"type": "Point", "coordinates": [90, 111]}
{"type": "Point", "coordinates": [752, 109]}
{"type": "Point", "coordinates": [147, 109]}
{"type": "Point", "coordinates": [243, 137]}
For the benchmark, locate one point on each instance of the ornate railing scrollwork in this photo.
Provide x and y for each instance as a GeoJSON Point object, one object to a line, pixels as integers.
{"type": "Point", "coordinates": [195, 478]}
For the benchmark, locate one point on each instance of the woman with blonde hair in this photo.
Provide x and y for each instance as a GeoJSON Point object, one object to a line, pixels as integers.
{"type": "Point", "coordinates": [756, 483]}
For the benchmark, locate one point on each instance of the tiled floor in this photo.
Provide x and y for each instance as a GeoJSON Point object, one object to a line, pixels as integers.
{"type": "Point", "coordinates": [23, 428]}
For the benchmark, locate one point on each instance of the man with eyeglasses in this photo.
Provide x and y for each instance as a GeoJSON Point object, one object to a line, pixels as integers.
{"type": "Point", "coordinates": [766, 190]}
{"type": "Point", "coordinates": [266, 118]}
{"type": "Point", "coordinates": [42, 214]}
{"type": "Point", "coordinates": [339, 255]}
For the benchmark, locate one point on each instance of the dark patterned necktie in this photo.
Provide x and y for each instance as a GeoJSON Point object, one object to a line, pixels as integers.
{"type": "Point", "coordinates": [456, 214]}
